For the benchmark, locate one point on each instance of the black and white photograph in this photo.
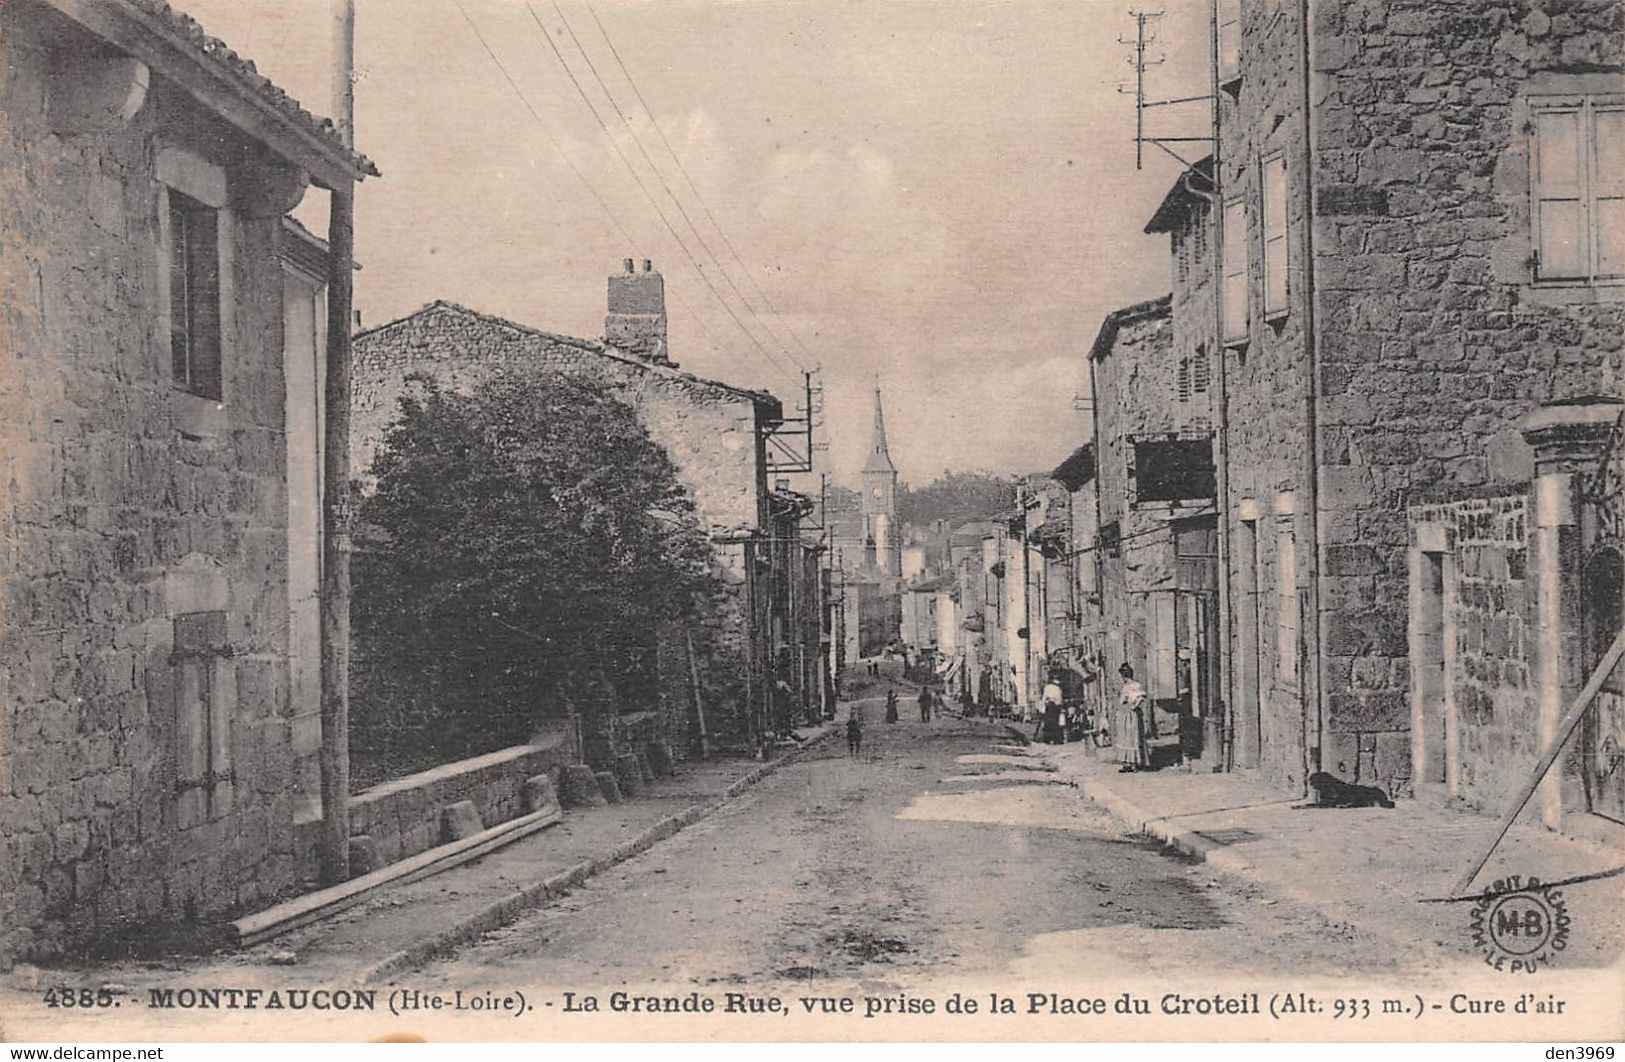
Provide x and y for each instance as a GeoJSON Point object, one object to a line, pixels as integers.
{"type": "Point", "coordinates": [812, 521]}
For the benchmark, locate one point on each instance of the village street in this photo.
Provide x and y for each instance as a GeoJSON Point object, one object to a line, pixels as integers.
{"type": "Point", "coordinates": [943, 854]}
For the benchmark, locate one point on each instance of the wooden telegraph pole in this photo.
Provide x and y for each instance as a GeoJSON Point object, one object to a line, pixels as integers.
{"type": "Point", "coordinates": [335, 610]}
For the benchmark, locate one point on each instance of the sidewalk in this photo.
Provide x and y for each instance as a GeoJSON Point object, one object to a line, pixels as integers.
{"type": "Point", "coordinates": [403, 925]}
{"type": "Point", "coordinates": [1374, 869]}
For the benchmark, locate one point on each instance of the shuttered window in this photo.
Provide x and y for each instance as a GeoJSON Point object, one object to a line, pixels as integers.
{"type": "Point", "coordinates": [1578, 175]}
{"type": "Point", "coordinates": [1234, 293]}
{"type": "Point", "coordinates": [203, 780]}
{"type": "Point", "coordinates": [1273, 187]}
{"type": "Point", "coordinates": [1229, 44]}
{"type": "Point", "coordinates": [194, 295]}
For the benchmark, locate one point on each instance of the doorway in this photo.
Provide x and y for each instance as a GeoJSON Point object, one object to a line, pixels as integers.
{"type": "Point", "coordinates": [1602, 613]}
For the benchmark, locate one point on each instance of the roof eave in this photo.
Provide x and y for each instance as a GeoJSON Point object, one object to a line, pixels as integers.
{"type": "Point", "coordinates": [146, 37]}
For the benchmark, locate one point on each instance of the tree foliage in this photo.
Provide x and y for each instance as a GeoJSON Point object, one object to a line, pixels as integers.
{"type": "Point", "coordinates": [524, 544]}
{"type": "Point", "coordinates": [956, 497]}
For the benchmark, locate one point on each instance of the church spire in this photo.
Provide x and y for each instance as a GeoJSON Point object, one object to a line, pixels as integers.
{"type": "Point", "coordinates": [879, 457]}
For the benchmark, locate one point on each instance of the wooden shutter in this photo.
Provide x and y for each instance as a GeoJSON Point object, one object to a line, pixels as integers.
{"type": "Point", "coordinates": [1275, 243]}
{"type": "Point", "coordinates": [1560, 208]}
{"type": "Point", "coordinates": [1234, 293]}
{"type": "Point", "coordinates": [1608, 183]}
{"type": "Point", "coordinates": [1229, 15]}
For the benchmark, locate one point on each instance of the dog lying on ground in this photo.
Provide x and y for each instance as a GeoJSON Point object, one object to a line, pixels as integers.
{"type": "Point", "coordinates": [1333, 792]}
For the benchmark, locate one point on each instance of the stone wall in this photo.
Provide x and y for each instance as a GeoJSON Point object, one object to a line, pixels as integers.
{"type": "Point", "coordinates": [1137, 395]}
{"type": "Point", "coordinates": [1267, 426]}
{"type": "Point", "coordinates": [1433, 335]}
{"type": "Point", "coordinates": [401, 817]}
{"type": "Point", "coordinates": [1485, 613]}
{"type": "Point", "coordinates": [708, 429]}
{"type": "Point", "coordinates": [127, 504]}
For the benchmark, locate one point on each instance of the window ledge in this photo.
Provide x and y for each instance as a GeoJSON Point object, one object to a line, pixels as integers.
{"type": "Point", "coordinates": [197, 417]}
{"type": "Point", "coordinates": [1560, 293]}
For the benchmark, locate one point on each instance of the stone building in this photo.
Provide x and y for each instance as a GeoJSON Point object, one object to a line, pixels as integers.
{"type": "Point", "coordinates": [1516, 592]}
{"type": "Point", "coordinates": [1154, 524]}
{"type": "Point", "coordinates": [714, 432]}
{"type": "Point", "coordinates": [148, 426]}
{"type": "Point", "coordinates": [1417, 244]}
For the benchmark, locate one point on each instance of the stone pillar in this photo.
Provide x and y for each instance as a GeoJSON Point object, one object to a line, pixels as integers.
{"type": "Point", "coordinates": [1567, 438]}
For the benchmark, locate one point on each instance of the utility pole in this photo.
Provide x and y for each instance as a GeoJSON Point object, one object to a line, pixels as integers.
{"type": "Point", "coordinates": [335, 603]}
{"type": "Point", "coordinates": [1145, 34]}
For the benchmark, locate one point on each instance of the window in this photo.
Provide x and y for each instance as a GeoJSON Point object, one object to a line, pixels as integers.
{"type": "Point", "coordinates": [203, 699]}
{"type": "Point", "coordinates": [1184, 384]}
{"type": "Point", "coordinates": [1275, 252]}
{"type": "Point", "coordinates": [1173, 470]}
{"type": "Point", "coordinates": [194, 295]}
{"type": "Point", "coordinates": [1286, 602]}
{"type": "Point", "coordinates": [1201, 372]}
{"type": "Point", "coordinates": [1234, 293]}
{"type": "Point", "coordinates": [1578, 161]}
{"type": "Point", "coordinates": [1229, 15]}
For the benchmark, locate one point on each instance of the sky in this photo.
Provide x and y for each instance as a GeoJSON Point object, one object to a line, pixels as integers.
{"type": "Point", "coordinates": [938, 197]}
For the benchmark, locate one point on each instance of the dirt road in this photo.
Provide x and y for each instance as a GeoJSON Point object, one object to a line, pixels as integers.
{"type": "Point", "coordinates": [941, 852]}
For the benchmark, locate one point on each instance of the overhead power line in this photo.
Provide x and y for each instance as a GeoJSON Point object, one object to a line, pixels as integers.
{"type": "Point", "coordinates": [715, 224]}
{"type": "Point", "coordinates": [682, 210]}
{"type": "Point", "coordinates": [644, 188]}
{"type": "Point", "coordinates": [565, 156]}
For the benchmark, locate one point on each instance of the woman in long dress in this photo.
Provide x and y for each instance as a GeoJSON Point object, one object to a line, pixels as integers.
{"type": "Point", "coordinates": [1128, 736]}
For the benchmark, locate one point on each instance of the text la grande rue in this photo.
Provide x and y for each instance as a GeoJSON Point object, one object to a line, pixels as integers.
{"type": "Point", "coordinates": [745, 1003]}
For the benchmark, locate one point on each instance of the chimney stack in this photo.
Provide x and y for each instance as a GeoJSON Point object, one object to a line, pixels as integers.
{"type": "Point", "coordinates": [636, 322]}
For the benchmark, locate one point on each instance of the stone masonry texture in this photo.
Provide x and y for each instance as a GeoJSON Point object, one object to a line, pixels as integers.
{"type": "Point", "coordinates": [109, 509]}
{"type": "Point", "coordinates": [1433, 337]}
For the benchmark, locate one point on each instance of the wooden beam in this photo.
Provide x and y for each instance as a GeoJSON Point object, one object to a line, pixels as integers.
{"type": "Point", "coordinates": [1571, 719]}
{"type": "Point", "coordinates": [323, 903]}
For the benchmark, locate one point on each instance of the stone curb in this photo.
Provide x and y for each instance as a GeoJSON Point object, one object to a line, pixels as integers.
{"type": "Point", "coordinates": [500, 912]}
{"type": "Point", "coordinates": [1218, 856]}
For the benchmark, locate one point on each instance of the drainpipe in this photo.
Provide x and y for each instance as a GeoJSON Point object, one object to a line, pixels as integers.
{"type": "Point", "coordinates": [1314, 699]}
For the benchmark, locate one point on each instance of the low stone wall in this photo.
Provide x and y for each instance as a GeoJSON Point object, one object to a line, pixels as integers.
{"type": "Point", "coordinates": [402, 817]}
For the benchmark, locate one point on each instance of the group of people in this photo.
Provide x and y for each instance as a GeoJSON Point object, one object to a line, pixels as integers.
{"type": "Point", "coordinates": [854, 719]}
{"type": "Point", "coordinates": [1129, 727]}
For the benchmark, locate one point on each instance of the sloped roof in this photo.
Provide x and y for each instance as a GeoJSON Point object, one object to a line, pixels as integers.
{"type": "Point", "coordinates": [770, 404]}
{"type": "Point", "coordinates": [152, 26]}
{"type": "Point", "coordinates": [1077, 469]}
{"type": "Point", "coordinates": [1162, 306]}
{"type": "Point", "coordinates": [1171, 213]}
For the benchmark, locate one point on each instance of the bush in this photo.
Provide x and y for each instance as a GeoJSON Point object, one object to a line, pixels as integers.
{"type": "Point", "coordinates": [523, 545]}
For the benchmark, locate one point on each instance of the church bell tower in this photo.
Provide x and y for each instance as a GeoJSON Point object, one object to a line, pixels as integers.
{"type": "Point", "coordinates": [883, 548]}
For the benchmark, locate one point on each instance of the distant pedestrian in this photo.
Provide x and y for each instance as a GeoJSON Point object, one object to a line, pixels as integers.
{"type": "Point", "coordinates": [1129, 735]}
{"type": "Point", "coordinates": [1050, 714]}
{"type": "Point", "coordinates": [925, 704]}
{"type": "Point", "coordinates": [891, 706]}
{"type": "Point", "coordinates": [854, 732]}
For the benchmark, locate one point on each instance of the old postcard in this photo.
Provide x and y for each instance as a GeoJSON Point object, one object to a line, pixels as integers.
{"type": "Point", "coordinates": [917, 520]}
